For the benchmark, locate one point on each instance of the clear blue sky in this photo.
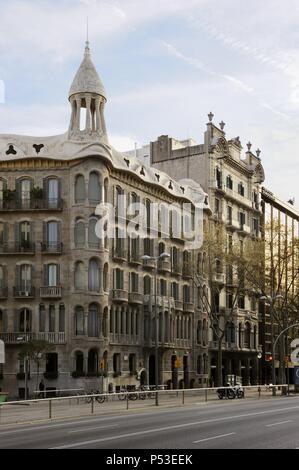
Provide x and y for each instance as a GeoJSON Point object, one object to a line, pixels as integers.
{"type": "Point", "coordinates": [165, 64]}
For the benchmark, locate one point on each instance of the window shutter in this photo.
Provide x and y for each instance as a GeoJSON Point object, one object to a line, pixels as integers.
{"type": "Point", "coordinates": [45, 189]}
{"type": "Point", "coordinates": [18, 276]}
{"type": "Point", "coordinates": [45, 274]}
{"type": "Point", "coordinates": [5, 232]}
{"type": "Point", "coordinates": [4, 320]}
{"type": "Point", "coordinates": [59, 232]}
{"type": "Point", "coordinates": [58, 274]}
{"type": "Point", "coordinates": [32, 232]}
{"type": "Point", "coordinates": [16, 321]}
{"type": "Point", "coordinates": [45, 233]}
{"type": "Point", "coordinates": [18, 189]}
{"type": "Point", "coordinates": [17, 233]}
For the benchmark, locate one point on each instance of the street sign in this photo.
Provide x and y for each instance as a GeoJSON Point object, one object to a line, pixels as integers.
{"type": "Point", "coordinates": [2, 352]}
{"type": "Point", "coordinates": [102, 364]}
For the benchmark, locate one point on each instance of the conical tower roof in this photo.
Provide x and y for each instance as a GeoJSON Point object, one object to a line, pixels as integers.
{"type": "Point", "coordinates": [87, 79]}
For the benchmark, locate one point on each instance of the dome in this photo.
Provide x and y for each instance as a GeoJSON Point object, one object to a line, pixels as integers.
{"type": "Point", "coordinates": [87, 79]}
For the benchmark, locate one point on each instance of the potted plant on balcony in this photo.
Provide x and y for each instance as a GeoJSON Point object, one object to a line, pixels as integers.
{"type": "Point", "coordinates": [8, 195]}
{"type": "Point", "coordinates": [36, 195]}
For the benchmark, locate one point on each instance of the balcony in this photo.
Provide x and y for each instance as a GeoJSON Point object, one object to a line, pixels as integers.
{"type": "Point", "coordinates": [51, 292]}
{"type": "Point", "coordinates": [31, 205]}
{"type": "Point", "coordinates": [134, 258]}
{"type": "Point", "coordinates": [149, 263]}
{"type": "Point", "coordinates": [219, 187]}
{"type": "Point", "coordinates": [119, 295]}
{"type": "Point", "coordinates": [24, 292]}
{"type": "Point", "coordinates": [3, 293]}
{"type": "Point", "coordinates": [164, 266]}
{"type": "Point", "coordinates": [54, 248]}
{"type": "Point", "coordinates": [188, 307]}
{"type": "Point", "coordinates": [244, 229]}
{"type": "Point", "coordinates": [124, 339]}
{"type": "Point", "coordinates": [17, 338]}
{"type": "Point", "coordinates": [176, 270]}
{"type": "Point", "coordinates": [14, 248]}
{"type": "Point", "coordinates": [178, 305]}
{"type": "Point", "coordinates": [135, 298]}
{"type": "Point", "coordinates": [119, 254]}
{"type": "Point", "coordinates": [55, 338]}
{"type": "Point", "coordinates": [187, 271]}
{"type": "Point", "coordinates": [219, 278]}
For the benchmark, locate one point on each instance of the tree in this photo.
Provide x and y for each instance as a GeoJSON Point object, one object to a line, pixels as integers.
{"type": "Point", "coordinates": [226, 262]}
{"type": "Point", "coordinates": [36, 350]}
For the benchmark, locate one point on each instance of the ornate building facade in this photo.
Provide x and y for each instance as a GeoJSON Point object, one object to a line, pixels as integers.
{"type": "Point", "coordinates": [93, 299]}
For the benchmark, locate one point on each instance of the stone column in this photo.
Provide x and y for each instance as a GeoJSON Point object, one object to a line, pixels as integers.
{"type": "Point", "coordinates": [88, 113]}
{"type": "Point", "coordinates": [98, 116]}
{"type": "Point", "coordinates": [103, 118]}
{"type": "Point", "coordinates": [77, 123]}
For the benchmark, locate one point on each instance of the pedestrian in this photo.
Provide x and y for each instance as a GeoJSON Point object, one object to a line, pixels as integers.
{"type": "Point", "coordinates": [41, 388]}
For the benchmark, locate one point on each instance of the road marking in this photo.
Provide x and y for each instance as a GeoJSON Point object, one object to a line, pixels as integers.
{"type": "Point", "coordinates": [95, 427]}
{"type": "Point", "coordinates": [281, 422]}
{"type": "Point", "coordinates": [214, 437]}
{"type": "Point", "coordinates": [178, 426]}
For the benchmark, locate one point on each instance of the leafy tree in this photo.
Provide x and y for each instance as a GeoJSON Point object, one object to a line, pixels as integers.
{"type": "Point", "coordinates": [36, 350]}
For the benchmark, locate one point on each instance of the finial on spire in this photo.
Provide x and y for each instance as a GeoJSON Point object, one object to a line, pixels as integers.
{"type": "Point", "coordinates": [258, 152]}
{"type": "Point", "coordinates": [210, 116]}
{"type": "Point", "coordinates": [249, 145]}
{"type": "Point", "coordinates": [87, 49]}
{"type": "Point", "coordinates": [222, 125]}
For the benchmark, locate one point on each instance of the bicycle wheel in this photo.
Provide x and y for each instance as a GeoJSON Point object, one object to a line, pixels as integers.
{"type": "Point", "coordinates": [142, 396]}
{"type": "Point", "coordinates": [133, 396]}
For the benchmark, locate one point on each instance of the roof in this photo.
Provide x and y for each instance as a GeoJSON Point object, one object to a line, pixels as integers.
{"type": "Point", "coordinates": [87, 79]}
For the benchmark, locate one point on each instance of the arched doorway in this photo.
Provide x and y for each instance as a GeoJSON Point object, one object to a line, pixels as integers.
{"type": "Point", "coordinates": [143, 378]}
{"type": "Point", "coordinates": [152, 368]}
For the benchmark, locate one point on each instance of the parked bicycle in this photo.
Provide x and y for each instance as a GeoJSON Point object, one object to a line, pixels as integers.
{"type": "Point", "coordinates": [96, 395]}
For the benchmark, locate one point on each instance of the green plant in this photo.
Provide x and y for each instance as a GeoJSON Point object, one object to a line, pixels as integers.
{"type": "Point", "coordinates": [37, 193]}
{"type": "Point", "coordinates": [9, 194]}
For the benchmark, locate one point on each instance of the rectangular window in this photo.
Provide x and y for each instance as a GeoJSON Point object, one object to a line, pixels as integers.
{"type": "Point", "coordinates": [52, 362]}
{"type": "Point", "coordinates": [229, 214]}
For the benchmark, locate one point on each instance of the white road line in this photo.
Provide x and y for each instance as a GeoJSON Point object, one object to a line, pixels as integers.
{"type": "Point", "coordinates": [177, 426]}
{"type": "Point", "coordinates": [95, 427]}
{"type": "Point", "coordinates": [281, 422]}
{"type": "Point", "coordinates": [214, 437]}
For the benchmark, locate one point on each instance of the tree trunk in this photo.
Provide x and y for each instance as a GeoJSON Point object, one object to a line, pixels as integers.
{"type": "Point", "coordinates": [219, 364]}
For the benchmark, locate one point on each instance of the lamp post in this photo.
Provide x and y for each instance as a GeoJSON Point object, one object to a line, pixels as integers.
{"type": "Point", "coordinates": [269, 300]}
{"type": "Point", "coordinates": [162, 256]}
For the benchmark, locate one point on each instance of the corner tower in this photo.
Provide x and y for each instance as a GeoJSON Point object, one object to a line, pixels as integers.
{"type": "Point", "coordinates": [87, 93]}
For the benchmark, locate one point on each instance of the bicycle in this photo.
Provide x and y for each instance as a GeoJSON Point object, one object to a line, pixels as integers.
{"type": "Point", "coordinates": [97, 396]}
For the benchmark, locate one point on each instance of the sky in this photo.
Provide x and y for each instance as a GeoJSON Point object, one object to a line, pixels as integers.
{"type": "Point", "coordinates": [165, 65]}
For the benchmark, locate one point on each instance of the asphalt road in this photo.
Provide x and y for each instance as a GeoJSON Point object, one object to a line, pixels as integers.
{"type": "Point", "coordinates": [237, 424]}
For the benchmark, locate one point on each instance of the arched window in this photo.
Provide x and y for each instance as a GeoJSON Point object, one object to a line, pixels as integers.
{"type": "Point", "coordinates": [93, 361]}
{"type": "Point", "coordinates": [94, 189]}
{"type": "Point", "coordinates": [79, 276]}
{"type": "Point", "coordinates": [93, 320]}
{"type": "Point", "coordinates": [52, 191]}
{"type": "Point", "coordinates": [79, 234]}
{"type": "Point", "coordinates": [105, 278]}
{"type": "Point", "coordinates": [230, 332]}
{"type": "Point", "coordinates": [79, 362]}
{"type": "Point", "coordinates": [247, 335]}
{"type": "Point", "coordinates": [93, 240]}
{"type": "Point", "coordinates": [80, 194]}
{"type": "Point", "coordinates": [240, 336]}
{"type": "Point", "coordinates": [79, 321]}
{"type": "Point", "coordinates": [186, 294]}
{"type": "Point", "coordinates": [24, 321]}
{"type": "Point", "coordinates": [2, 278]}
{"type": "Point", "coordinates": [94, 276]}
{"type": "Point", "coordinates": [204, 332]}
{"type": "Point", "coordinates": [199, 332]}
{"type": "Point", "coordinates": [3, 187]}
{"type": "Point", "coordinates": [147, 285]}
{"type": "Point", "coordinates": [205, 364]}
{"type": "Point", "coordinates": [199, 364]}
{"type": "Point", "coordinates": [106, 184]}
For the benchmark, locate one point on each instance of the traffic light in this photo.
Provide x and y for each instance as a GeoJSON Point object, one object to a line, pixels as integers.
{"type": "Point", "coordinates": [269, 357]}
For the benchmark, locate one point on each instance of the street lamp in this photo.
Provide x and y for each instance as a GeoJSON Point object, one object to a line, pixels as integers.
{"type": "Point", "coordinates": [162, 256]}
{"type": "Point", "coordinates": [269, 300]}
